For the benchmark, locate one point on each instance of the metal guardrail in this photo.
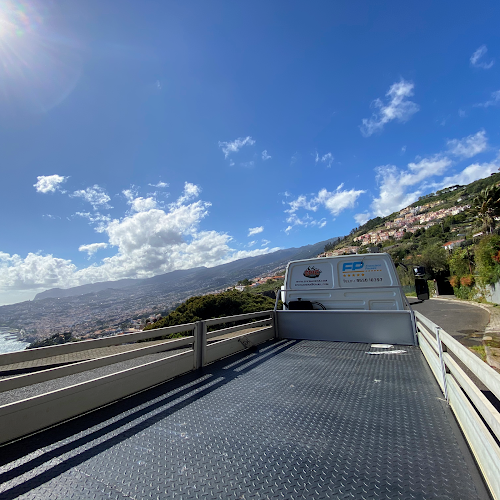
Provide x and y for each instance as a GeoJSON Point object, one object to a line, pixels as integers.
{"type": "Point", "coordinates": [478, 418]}
{"type": "Point", "coordinates": [29, 415]}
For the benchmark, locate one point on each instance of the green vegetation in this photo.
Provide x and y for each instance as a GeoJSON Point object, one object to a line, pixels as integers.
{"type": "Point", "coordinates": [244, 282]}
{"type": "Point", "coordinates": [486, 206]}
{"type": "Point", "coordinates": [58, 338]}
{"type": "Point", "coordinates": [471, 265]}
{"type": "Point", "coordinates": [213, 306]}
{"type": "Point", "coordinates": [487, 257]}
{"type": "Point", "coordinates": [269, 286]}
{"type": "Point", "coordinates": [480, 351]}
{"type": "Point", "coordinates": [330, 246]}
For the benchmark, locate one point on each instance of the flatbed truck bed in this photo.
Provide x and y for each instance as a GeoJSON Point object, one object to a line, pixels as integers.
{"type": "Point", "coordinates": [288, 419]}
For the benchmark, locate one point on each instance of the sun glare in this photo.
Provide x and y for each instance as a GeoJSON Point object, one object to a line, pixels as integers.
{"type": "Point", "coordinates": [18, 18]}
{"type": "Point", "coordinates": [38, 68]}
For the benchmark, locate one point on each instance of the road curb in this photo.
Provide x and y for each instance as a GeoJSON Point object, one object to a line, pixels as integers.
{"type": "Point", "coordinates": [493, 330]}
{"type": "Point", "coordinates": [477, 304]}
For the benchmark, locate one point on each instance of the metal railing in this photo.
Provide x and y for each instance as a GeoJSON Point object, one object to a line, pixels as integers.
{"type": "Point", "coordinates": [478, 418]}
{"type": "Point", "coordinates": [201, 347]}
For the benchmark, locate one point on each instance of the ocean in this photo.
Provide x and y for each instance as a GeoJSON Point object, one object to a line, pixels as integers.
{"type": "Point", "coordinates": [9, 342]}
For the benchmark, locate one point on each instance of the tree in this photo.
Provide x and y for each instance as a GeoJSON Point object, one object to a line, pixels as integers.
{"type": "Point", "coordinates": [435, 230]}
{"type": "Point", "coordinates": [214, 306]}
{"type": "Point", "coordinates": [486, 206]}
{"type": "Point", "coordinates": [461, 262]}
{"type": "Point", "coordinates": [331, 245]}
{"type": "Point", "coordinates": [434, 259]}
{"type": "Point", "coordinates": [487, 254]}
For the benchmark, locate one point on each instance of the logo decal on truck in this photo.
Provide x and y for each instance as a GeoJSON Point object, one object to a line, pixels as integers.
{"type": "Point", "coordinates": [352, 266]}
{"type": "Point", "coordinates": [312, 272]}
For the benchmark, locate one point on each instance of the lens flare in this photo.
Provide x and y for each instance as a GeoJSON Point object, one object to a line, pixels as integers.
{"type": "Point", "coordinates": [38, 67]}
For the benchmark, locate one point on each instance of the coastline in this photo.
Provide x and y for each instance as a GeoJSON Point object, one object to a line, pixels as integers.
{"type": "Point", "coordinates": [9, 340]}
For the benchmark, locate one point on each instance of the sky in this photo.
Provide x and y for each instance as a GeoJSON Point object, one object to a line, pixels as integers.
{"type": "Point", "coordinates": [137, 138]}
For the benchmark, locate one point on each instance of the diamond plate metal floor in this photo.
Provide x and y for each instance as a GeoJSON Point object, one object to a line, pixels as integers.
{"type": "Point", "coordinates": [291, 419]}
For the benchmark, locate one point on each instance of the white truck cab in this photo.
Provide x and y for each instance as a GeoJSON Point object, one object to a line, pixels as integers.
{"type": "Point", "coordinates": [362, 281]}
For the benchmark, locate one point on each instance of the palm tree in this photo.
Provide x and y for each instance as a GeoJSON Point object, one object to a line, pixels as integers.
{"type": "Point", "coordinates": [486, 206]}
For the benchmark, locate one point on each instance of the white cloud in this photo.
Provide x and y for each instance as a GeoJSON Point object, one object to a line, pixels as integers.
{"type": "Point", "coordinates": [477, 61]}
{"type": "Point", "coordinates": [130, 194]}
{"type": "Point", "coordinates": [403, 150]}
{"type": "Point", "coordinates": [94, 218]}
{"type": "Point", "coordinates": [94, 195]}
{"type": "Point", "coordinates": [472, 173]}
{"type": "Point", "coordinates": [190, 192]}
{"type": "Point", "coordinates": [326, 158]}
{"type": "Point", "coordinates": [393, 183]}
{"type": "Point", "coordinates": [399, 188]}
{"type": "Point", "coordinates": [265, 242]}
{"type": "Point", "coordinates": [138, 203]}
{"type": "Point", "coordinates": [494, 101]}
{"type": "Point", "coordinates": [34, 272]}
{"type": "Point", "coordinates": [143, 204]}
{"type": "Point", "coordinates": [147, 242]}
{"type": "Point", "coordinates": [306, 221]}
{"type": "Point", "coordinates": [462, 113]}
{"type": "Point", "coordinates": [247, 164]}
{"type": "Point", "coordinates": [49, 183]}
{"type": "Point", "coordinates": [159, 184]}
{"type": "Point", "coordinates": [302, 202]}
{"type": "Point", "coordinates": [251, 243]}
{"type": "Point", "coordinates": [338, 200]}
{"type": "Point", "coordinates": [468, 146]}
{"type": "Point", "coordinates": [255, 230]}
{"type": "Point", "coordinates": [362, 218]}
{"type": "Point", "coordinates": [236, 145]}
{"type": "Point", "coordinates": [265, 156]}
{"type": "Point", "coordinates": [335, 201]}
{"type": "Point", "coordinates": [398, 107]}
{"type": "Point", "coordinates": [243, 254]}
{"type": "Point", "coordinates": [92, 248]}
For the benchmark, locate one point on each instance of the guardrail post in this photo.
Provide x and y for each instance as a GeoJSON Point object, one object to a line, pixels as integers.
{"type": "Point", "coordinates": [198, 344]}
{"type": "Point", "coordinates": [203, 343]}
{"type": "Point", "coordinates": [441, 362]}
{"type": "Point", "coordinates": [275, 324]}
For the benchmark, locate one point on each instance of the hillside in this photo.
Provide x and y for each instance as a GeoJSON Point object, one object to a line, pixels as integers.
{"type": "Point", "coordinates": [107, 308]}
{"type": "Point", "coordinates": [425, 232]}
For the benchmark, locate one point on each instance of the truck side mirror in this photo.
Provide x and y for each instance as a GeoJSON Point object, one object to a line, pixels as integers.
{"type": "Point", "coordinates": [422, 289]}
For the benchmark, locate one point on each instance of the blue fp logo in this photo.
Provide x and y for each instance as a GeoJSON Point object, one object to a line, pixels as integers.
{"type": "Point", "coordinates": [352, 266]}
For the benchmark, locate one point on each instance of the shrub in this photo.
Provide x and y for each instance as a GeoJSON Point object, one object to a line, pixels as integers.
{"type": "Point", "coordinates": [467, 280]}
{"type": "Point", "coordinates": [214, 306]}
{"type": "Point", "coordinates": [487, 265]}
{"type": "Point", "coordinates": [432, 288]}
{"type": "Point", "coordinates": [454, 281]}
{"type": "Point", "coordinates": [460, 263]}
{"type": "Point", "coordinates": [464, 292]}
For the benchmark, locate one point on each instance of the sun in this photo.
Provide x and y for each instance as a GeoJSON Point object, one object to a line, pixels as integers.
{"type": "Point", "coordinates": [38, 67]}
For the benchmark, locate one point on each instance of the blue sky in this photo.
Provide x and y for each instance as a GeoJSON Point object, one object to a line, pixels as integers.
{"type": "Point", "coordinates": [141, 137]}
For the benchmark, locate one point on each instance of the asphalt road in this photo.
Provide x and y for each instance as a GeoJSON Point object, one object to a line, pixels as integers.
{"type": "Point", "coordinates": [463, 321]}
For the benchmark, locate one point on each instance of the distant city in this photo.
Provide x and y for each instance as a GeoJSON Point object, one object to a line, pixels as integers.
{"type": "Point", "coordinates": [114, 311]}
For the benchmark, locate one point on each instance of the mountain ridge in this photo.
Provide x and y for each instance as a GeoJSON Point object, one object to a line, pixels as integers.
{"type": "Point", "coordinates": [108, 307]}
